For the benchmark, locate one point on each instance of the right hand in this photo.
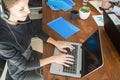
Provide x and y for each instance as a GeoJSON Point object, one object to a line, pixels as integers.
{"type": "Point", "coordinates": [105, 4]}
{"type": "Point", "coordinates": [63, 59]}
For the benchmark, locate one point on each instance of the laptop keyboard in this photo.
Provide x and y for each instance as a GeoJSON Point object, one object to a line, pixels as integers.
{"type": "Point", "coordinates": [73, 67]}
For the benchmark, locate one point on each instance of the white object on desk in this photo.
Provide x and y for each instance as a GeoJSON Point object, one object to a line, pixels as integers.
{"type": "Point", "coordinates": [96, 4]}
{"type": "Point", "coordinates": [100, 21]}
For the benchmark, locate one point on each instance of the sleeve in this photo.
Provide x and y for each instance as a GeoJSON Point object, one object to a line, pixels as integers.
{"type": "Point", "coordinates": [113, 0]}
{"type": "Point", "coordinates": [15, 57]}
{"type": "Point", "coordinates": [37, 30]}
{"type": "Point", "coordinates": [116, 10]}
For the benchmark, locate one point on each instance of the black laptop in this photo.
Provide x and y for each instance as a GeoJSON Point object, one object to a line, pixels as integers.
{"type": "Point", "coordinates": [112, 30]}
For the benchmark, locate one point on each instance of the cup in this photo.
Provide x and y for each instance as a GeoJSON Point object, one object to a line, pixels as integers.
{"type": "Point", "coordinates": [74, 14]}
{"type": "Point", "coordinates": [84, 12]}
{"type": "Point", "coordinates": [85, 2]}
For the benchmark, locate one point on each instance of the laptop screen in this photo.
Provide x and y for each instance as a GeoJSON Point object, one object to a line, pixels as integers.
{"type": "Point", "coordinates": [112, 30]}
{"type": "Point", "coordinates": [91, 54]}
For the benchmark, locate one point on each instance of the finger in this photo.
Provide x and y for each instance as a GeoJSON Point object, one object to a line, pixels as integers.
{"type": "Point", "coordinates": [69, 56]}
{"type": "Point", "coordinates": [67, 65]}
{"type": "Point", "coordinates": [70, 59]}
{"type": "Point", "coordinates": [64, 50]}
{"type": "Point", "coordinates": [71, 47]}
{"type": "Point", "coordinates": [69, 62]}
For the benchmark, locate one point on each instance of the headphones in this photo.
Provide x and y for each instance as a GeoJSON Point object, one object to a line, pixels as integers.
{"type": "Point", "coordinates": [4, 14]}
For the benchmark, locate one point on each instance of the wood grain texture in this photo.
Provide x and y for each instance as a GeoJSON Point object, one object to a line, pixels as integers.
{"type": "Point", "coordinates": [111, 68]}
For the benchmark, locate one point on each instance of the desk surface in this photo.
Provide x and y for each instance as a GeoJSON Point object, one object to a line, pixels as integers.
{"type": "Point", "coordinates": [111, 67]}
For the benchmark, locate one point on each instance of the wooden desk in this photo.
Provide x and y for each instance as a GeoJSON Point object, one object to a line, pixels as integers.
{"type": "Point", "coordinates": [111, 67]}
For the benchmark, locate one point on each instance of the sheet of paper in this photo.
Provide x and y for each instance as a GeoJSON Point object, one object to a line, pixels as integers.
{"type": "Point", "coordinates": [100, 21]}
{"type": "Point", "coordinates": [63, 27]}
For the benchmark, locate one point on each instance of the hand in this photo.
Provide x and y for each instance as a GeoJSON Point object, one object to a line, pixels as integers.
{"type": "Point", "coordinates": [63, 59]}
{"type": "Point", "coordinates": [105, 4]}
{"type": "Point", "coordinates": [62, 46]}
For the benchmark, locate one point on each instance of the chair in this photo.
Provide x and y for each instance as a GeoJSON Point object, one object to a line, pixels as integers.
{"type": "Point", "coordinates": [36, 9]}
{"type": "Point", "coordinates": [4, 75]}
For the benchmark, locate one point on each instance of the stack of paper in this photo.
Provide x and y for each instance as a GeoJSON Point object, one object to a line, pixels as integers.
{"type": "Point", "coordinates": [63, 27]}
{"type": "Point", "coordinates": [60, 4]}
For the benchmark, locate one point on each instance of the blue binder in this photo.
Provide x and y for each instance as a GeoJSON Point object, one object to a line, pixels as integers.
{"type": "Point", "coordinates": [60, 4]}
{"type": "Point", "coordinates": [63, 27]}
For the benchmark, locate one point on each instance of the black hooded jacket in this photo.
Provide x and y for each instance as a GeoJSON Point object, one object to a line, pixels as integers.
{"type": "Point", "coordinates": [14, 40]}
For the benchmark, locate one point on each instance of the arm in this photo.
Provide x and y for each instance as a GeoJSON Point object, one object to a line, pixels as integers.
{"type": "Point", "coordinates": [36, 29]}
{"type": "Point", "coordinates": [113, 0]}
{"type": "Point", "coordinates": [59, 45]}
{"type": "Point", "coordinates": [15, 57]}
{"type": "Point", "coordinates": [111, 6]}
{"type": "Point", "coordinates": [45, 37]}
{"type": "Point", "coordinates": [116, 10]}
{"type": "Point", "coordinates": [62, 59]}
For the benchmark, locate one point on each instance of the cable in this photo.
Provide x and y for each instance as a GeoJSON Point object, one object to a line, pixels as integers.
{"type": "Point", "coordinates": [15, 37]}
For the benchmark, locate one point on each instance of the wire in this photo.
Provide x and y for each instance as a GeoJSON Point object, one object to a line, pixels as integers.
{"type": "Point", "coordinates": [15, 37]}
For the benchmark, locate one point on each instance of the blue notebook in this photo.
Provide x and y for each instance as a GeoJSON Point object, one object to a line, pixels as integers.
{"type": "Point", "coordinates": [60, 4]}
{"type": "Point", "coordinates": [63, 27]}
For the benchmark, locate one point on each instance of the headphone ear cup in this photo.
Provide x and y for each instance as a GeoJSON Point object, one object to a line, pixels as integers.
{"type": "Point", "coordinates": [3, 12]}
{"type": "Point", "coordinates": [6, 13]}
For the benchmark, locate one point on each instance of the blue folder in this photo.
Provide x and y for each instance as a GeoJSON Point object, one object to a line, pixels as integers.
{"type": "Point", "coordinates": [60, 4]}
{"type": "Point", "coordinates": [53, 7]}
{"type": "Point", "coordinates": [69, 2]}
{"type": "Point", "coordinates": [63, 27]}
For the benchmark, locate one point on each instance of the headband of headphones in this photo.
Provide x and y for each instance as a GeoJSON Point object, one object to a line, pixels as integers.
{"type": "Point", "coordinates": [3, 14]}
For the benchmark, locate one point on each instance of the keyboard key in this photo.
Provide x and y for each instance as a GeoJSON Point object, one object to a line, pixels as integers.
{"type": "Point", "coordinates": [72, 68]}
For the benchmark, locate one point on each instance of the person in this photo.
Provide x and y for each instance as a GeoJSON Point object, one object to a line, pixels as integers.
{"type": "Point", "coordinates": [15, 38]}
{"type": "Point", "coordinates": [113, 5]}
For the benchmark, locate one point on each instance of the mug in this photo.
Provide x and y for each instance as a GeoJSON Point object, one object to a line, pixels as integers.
{"type": "Point", "coordinates": [74, 14]}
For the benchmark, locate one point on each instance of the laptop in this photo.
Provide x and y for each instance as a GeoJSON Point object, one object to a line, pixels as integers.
{"type": "Point", "coordinates": [88, 58]}
{"type": "Point", "coordinates": [112, 30]}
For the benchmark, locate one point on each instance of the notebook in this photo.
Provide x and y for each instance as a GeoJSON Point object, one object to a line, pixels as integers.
{"type": "Point", "coordinates": [88, 58]}
{"type": "Point", "coordinates": [63, 27]}
{"type": "Point", "coordinates": [112, 30]}
{"type": "Point", "coordinates": [60, 4]}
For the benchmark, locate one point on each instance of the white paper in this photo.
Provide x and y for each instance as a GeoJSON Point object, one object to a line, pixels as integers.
{"type": "Point", "coordinates": [100, 21]}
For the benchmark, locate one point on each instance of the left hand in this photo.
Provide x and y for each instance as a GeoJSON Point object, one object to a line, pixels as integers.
{"type": "Point", "coordinates": [62, 46]}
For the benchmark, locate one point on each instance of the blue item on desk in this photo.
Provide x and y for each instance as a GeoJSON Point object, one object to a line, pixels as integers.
{"type": "Point", "coordinates": [60, 4]}
{"type": "Point", "coordinates": [63, 27]}
{"type": "Point", "coordinates": [70, 2]}
{"type": "Point", "coordinates": [53, 7]}
{"type": "Point", "coordinates": [92, 43]}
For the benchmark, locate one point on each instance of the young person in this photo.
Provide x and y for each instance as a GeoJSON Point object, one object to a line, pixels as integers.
{"type": "Point", "coordinates": [113, 5]}
{"type": "Point", "coordinates": [15, 38]}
